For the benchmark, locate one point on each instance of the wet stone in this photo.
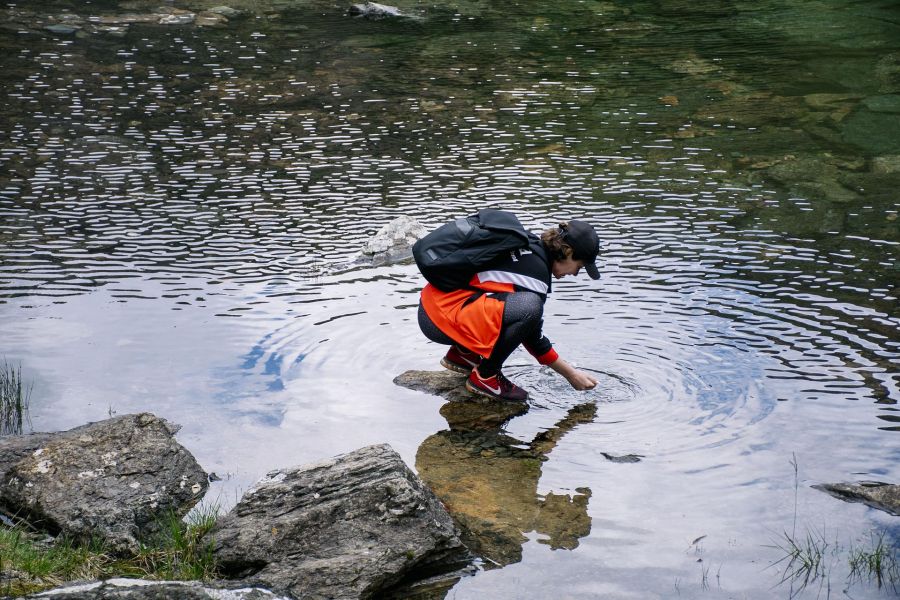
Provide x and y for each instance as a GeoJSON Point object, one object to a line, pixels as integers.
{"type": "Point", "coordinates": [888, 103]}
{"type": "Point", "coordinates": [178, 19]}
{"type": "Point", "coordinates": [210, 19]}
{"type": "Point", "coordinates": [225, 11]}
{"type": "Point", "coordinates": [60, 29]}
{"type": "Point", "coordinates": [874, 132]}
{"type": "Point", "coordinates": [622, 458]}
{"type": "Point", "coordinates": [886, 165]}
{"type": "Point", "coordinates": [883, 496]}
{"type": "Point", "coordinates": [375, 11]}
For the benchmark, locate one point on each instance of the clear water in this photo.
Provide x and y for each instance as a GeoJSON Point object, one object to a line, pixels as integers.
{"type": "Point", "coordinates": [179, 206]}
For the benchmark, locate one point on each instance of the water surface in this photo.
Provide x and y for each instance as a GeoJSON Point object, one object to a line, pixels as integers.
{"type": "Point", "coordinates": [180, 207]}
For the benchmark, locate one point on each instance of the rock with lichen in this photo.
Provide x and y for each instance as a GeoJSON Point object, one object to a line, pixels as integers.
{"type": "Point", "coordinates": [348, 527]}
{"type": "Point", "coordinates": [112, 480]}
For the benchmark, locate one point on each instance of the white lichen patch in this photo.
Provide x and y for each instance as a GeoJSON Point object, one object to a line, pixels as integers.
{"type": "Point", "coordinates": [109, 459]}
{"type": "Point", "coordinates": [43, 466]}
{"type": "Point", "coordinates": [75, 589]}
{"type": "Point", "coordinates": [195, 489]}
{"type": "Point", "coordinates": [38, 452]}
{"type": "Point", "coordinates": [134, 485]}
{"type": "Point", "coordinates": [90, 474]}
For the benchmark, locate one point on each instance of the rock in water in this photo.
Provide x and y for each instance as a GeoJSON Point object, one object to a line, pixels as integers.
{"type": "Point", "coordinates": [375, 11]}
{"type": "Point", "coordinates": [395, 239]}
{"type": "Point", "coordinates": [113, 480]}
{"type": "Point", "coordinates": [876, 494]}
{"type": "Point", "coordinates": [226, 11]}
{"type": "Point", "coordinates": [348, 527]}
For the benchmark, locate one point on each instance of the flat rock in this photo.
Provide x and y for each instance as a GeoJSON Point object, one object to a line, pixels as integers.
{"type": "Point", "coordinates": [142, 589]}
{"type": "Point", "coordinates": [348, 527]}
{"type": "Point", "coordinates": [883, 496]}
{"type": "Point", "coordinates": [112, 480]}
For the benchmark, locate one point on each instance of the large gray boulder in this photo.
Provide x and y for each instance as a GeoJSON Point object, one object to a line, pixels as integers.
{"type": "Point", "coordinates": [141, 589]}
{"type": "Point", "coordinates": [348, 527]}
{"type": "Point", "coordinates": [883, 496]}
{"type": "Point", "coordinates": [113, 480]}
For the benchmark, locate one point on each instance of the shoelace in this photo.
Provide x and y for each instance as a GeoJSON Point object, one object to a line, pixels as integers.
{"type": "Point", "coordinates": [505, 384]}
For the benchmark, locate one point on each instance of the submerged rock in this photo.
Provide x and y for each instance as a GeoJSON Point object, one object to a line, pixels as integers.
{"type": "Point", "coordinates": [875, 131]}
{"type": "Point", "coordinates": [348, 527]}
{"type": "Point", "coordinates": [883, 496]}
{"type": "Point", "coordinates": [813, 177]}
{"type": "Point", "coordinates": [142, 589]}
{"type": "Point", "coordinates": [226, 11]}
{"type": "Point", "coordinates": [113, 480]}
{"type": "Point", "coordinates": [375, 11]}
{"type": "Point", "coordinates": [61, 29]}
{"type": "Point", "coordinates": [178, 19]}
{"type": "Point", "coordinates": [886, 165]}
{"type": "Point", "coordinates": [622, 458]}
{"type": "Point", "coordinates": [210, 19]}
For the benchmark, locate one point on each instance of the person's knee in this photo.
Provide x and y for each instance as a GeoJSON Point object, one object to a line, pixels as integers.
{"type": "Point", "coordinates": [524, 308]}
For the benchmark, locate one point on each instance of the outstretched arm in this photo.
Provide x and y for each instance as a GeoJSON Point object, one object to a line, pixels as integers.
{"type": "Point", "coordinates": [577, 379]}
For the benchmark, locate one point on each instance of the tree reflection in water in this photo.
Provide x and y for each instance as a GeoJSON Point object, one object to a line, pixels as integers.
{"type": "Point", "coordinates": [489, 480]}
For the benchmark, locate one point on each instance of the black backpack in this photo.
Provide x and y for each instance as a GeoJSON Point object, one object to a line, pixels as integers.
{"type": "Point", "coordinates": [452, 253]}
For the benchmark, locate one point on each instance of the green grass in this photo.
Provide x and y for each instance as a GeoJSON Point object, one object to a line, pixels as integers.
{"type": "Point", "coordinates": [877, 561]}
{"type": "Point", "coordinates": [30, 562]}
{"type": "Point", "coordinates": [810, 557]}
{"type": "Point", "coordinates": [14, 398]}
{"type": "Point", "coordinates": [806, 558]}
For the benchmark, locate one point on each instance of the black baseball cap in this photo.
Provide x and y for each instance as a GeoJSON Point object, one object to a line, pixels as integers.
{"type": "Point", "coordinates": [585, 244]}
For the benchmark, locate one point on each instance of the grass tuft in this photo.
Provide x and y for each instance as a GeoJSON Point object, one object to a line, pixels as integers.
{"type": "Point", "coordinates": [14, 399]}
{"type": "Point", "coordinates": [32, 562]}
{"type": "Point", "coordinates": [878, 562]}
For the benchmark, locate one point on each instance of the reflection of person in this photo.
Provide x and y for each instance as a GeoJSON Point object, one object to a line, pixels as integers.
{"type": "Point", "coordinates": [488, 481]}
{"type": "Point", "coordinates": [503, 307]}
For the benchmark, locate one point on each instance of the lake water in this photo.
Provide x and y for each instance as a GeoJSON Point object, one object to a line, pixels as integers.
{"type": "Point", "coordinates": [179, 205]}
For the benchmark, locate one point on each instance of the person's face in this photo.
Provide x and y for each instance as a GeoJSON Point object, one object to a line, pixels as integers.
{"type": "Point", "coordinates": [566, 266]}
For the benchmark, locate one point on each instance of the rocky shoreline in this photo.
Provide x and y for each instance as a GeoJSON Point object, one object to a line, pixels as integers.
{"type": "Point", "coordinates": [354, 526]}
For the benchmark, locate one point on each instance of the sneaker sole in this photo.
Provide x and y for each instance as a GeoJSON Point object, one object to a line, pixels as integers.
{"type": "Point", "coordinates": [455, 367]}
{"type": "Point", "coordinates": [471, 388]}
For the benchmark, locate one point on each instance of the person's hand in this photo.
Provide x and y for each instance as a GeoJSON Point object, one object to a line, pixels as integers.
{"type": "Point", "coordinates": [581, 380]}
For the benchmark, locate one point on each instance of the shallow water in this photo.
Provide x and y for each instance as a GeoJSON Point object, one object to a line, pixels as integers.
{"type": "Point", "coordinates": [180, 206]}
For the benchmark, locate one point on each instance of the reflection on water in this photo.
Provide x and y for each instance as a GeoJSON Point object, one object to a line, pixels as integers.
{"type": "Point", "coordinates": [179, 206]}
{"type": "Point", "coordinates": [488, 480]}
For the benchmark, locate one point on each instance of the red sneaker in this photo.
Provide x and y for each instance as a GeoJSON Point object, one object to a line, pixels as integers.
{"type": "Point", "coordinates": [460, 360]}
{"type": "Point", "coordinates": [496, 387]}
